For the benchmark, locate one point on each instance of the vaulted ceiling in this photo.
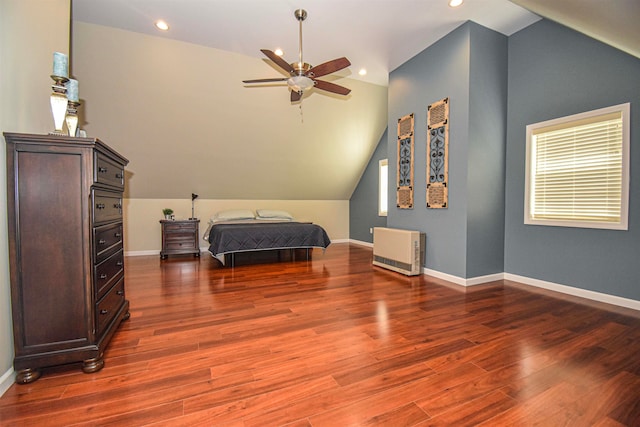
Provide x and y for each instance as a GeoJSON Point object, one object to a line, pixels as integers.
{"type": "Point", "coordinates": [175, 105]}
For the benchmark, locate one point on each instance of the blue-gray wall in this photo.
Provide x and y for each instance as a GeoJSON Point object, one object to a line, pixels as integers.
{"type": "Point", "coordinates": [363, 204]}
{"type": "Point", "coordinates": [555, 72]}
{"type": "Point", "coordinates": [549, 71]}
{"type": "Point", "coordinates": [486, 152]}
{"type": "Point", "coordinates": [469, 67]}
{"type": "Point", "coordinates": [440, 71]}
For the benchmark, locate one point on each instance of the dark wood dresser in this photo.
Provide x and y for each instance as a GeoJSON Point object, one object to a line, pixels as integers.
{"type": "Point", "coordinates": [179, 237]}
{"type": "Point", "coordinates": [64, 208]}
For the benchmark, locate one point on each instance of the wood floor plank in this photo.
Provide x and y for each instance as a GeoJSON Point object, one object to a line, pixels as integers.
{"type": "Point", "coordinates": [334, 341]}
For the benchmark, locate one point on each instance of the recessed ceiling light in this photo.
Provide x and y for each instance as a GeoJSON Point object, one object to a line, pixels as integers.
{"type": "Point", "coordinates": [279, 52]}
{"type": "Point", "coordinates": [161, 25]}
{"type": "Point", "coordinates": [455, 3]}
{"type": "Point", "coordinates": [363, 71]}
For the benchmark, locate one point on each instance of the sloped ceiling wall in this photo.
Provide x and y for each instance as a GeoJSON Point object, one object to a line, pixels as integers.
{"type": "Point", "coordinates": [182, 116]}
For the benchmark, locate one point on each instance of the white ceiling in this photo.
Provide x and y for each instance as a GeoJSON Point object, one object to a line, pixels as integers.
{"type": "Point", "coordinates": [378, 35]}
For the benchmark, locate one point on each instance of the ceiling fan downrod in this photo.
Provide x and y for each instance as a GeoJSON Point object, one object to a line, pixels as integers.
{"type": "Point", "coordinates": [300, 15]}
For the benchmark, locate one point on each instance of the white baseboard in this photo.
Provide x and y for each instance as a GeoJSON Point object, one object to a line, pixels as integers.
{"type": "Point", "coordinates": [6, 380]}
{"type": "Point", "coordinates": [153, 252]}
{"type": "Point", "coordinates": [141, 253]}
{"type": "Point", "coordinates": [480, 280]}
{"type": "Point", "coordinates": [473, 281]}
{"type": "Point", "coordinates": [206, 249]}
{"type": "Point", "coordinates": [556, 287]}
{"type": "Point", "coordinates": [570, 290]}
{"type": "Point", "coordinates": [361, 243]}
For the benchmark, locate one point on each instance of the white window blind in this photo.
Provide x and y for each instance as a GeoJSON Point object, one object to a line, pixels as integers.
{"type": "Point", "coordinates": [578, 170]}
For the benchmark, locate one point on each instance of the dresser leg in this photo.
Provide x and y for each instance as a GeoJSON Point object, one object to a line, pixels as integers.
{"type": "Point", "coordinates": [26, 376]}
{"type": "Point", "coordinates": [92, 365]}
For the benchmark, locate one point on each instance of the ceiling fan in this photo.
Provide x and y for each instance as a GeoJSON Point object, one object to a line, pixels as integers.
{"type": "Point", "coordinates": [302, 75]}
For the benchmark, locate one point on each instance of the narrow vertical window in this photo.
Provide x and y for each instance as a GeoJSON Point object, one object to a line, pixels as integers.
{"type": "Point", "coordinates": [383, 186]}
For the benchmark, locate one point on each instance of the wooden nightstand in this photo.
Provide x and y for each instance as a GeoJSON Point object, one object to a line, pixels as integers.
{"type": "Point", "coordinates": [179, 237]}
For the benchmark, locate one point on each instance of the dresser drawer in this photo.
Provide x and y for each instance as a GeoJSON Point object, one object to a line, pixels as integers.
{"type": "Point", "coordinates": [108, 306]}
{"type": "Point", "coordinates": [106, 240]}
{"type": "Point", "coordinates": [107, 272]}
{"type": "Point", "coordinates": [107, 206]}
{"type": "Point", "coordinates": [108, 172]}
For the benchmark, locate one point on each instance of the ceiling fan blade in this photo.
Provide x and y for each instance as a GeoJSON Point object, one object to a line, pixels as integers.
{"type": "Point", "coordinates": [265, 80]}
{"type": "Point", "coordinates": [331, 87]}
{"type": "Point", "coordinates": [278, 60]}
{"type": "Point", "coordinates": [295, 96]}
{"type": "Point", "coordinates": [328, 67]}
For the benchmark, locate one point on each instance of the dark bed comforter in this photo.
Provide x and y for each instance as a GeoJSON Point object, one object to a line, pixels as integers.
{"type": "Point", "coordinates": [231, 238]}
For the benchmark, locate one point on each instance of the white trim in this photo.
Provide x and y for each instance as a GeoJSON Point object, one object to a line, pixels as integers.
{"type": "Point", "coordinates": [6, 380]}
{"type": "Point", "coordinates": [461, 281]}
{"type": "Point", "coordinates": [444, 276]}
{"type": "Point", "coordinates": [473, 281]}
{"type": "Point", "coordinates": [340, 240]}
{"type": "Point", "coordinates": [142, 253]}
{"type": "Point", "coordinates": [361, 243]}
{"type": "Point", "coordinates": [556, 287]}
{"type": "Point", "coordinates": [570, 290]}
{"type": "Point", "coordinates": [202, 249]}
{"type": "Point", "coordinates": [481, 280]}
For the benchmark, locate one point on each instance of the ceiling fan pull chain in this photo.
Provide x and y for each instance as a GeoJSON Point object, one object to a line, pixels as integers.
{"type": "Point", "coordinates": [301, 115]}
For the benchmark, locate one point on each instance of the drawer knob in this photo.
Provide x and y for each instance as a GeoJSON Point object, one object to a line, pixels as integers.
{"type": "Point", "coordinates": [119, 175]}
{"type": "Point", "coordinates": [102, 242]}
{"type": "Point", "coordinates": [117, 205]}
{"type": "Point", "coordinates": [118, 234]}
{"type": "Point", "coordinates": [103, 311]}
{"type": "Point", "coordinates": [119, 263]}
{"type": "Point", "coordinates": [103, 276]}
{"type": "Point", "coordinates": [100, 206]}
{"type": "Point", "coordinates": [102, 169]}
{"type": "Point", "coordinates": [120, 292]}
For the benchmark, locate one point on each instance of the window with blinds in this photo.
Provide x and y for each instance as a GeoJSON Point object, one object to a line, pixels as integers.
{"type": "Point", "coordinates": [577, 170]}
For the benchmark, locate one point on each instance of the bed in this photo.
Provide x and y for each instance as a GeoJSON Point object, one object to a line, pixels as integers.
{"type": "Point", "coordinates": [232, 232]}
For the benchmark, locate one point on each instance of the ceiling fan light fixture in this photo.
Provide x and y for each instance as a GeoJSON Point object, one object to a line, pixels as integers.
{"type": "Point", "coordinates": [300, 83]}
{"type": "Point", "coordinates": [455, 3]}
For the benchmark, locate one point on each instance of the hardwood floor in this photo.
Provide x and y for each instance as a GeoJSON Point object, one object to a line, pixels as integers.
{"type": "Point", "coordinates": [336, 342]}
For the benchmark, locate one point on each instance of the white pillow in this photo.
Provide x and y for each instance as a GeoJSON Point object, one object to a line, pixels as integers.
{"type": "Point", "coordinates": [233, 215]}
{"type": "Point", "coordinates": [273, 214]}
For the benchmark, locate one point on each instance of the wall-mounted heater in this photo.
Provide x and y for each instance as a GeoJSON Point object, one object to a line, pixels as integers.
{"type": "Point", "coordinates": [399, 250]}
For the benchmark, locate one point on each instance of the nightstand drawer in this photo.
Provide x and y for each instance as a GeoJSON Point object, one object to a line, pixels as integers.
{"type": "Point", "coordinates": [180, 227]}
{"type": "Point", "coordinates": [181, 245]}
{"type": "Point", "coordinates": [180, 236]}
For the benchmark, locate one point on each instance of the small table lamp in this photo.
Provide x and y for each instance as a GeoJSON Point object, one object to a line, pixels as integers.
{"type": "Point", "coordinates": [194, 196]}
